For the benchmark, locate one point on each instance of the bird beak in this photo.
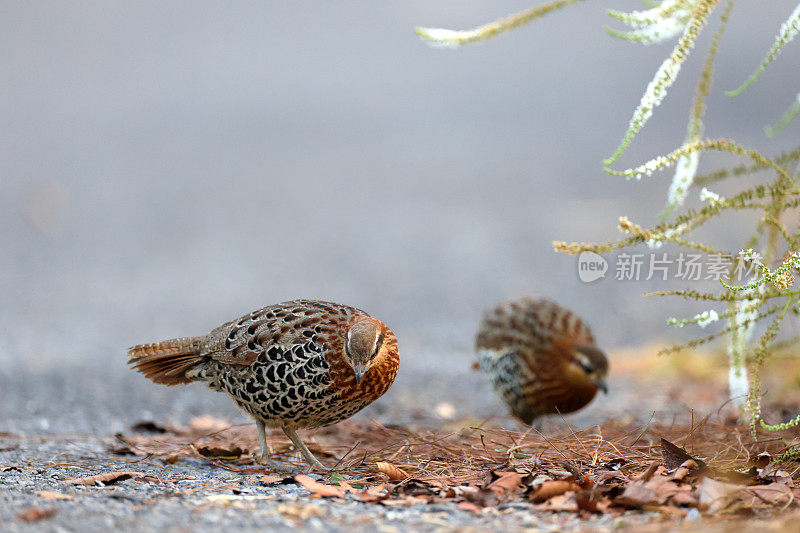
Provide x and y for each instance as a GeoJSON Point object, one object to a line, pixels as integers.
{"type": "Point", "coordinates": [359, 369]}
{"type": "Point", "coordinates": [600, 383]}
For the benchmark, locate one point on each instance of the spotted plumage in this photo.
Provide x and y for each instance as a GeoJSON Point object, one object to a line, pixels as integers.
{"type": "Point", "coordinates": [293, 365]}
{"type": "Point", "coordinates": [540, 358]}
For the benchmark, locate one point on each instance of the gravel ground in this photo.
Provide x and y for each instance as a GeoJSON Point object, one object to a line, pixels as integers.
{"type": "Point", "coordinates": [58, 419]}
{"type": "Point", "coordinates": [192, 495]}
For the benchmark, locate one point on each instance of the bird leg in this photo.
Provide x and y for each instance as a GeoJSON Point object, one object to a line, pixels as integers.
{"type": "Point", "coordinates": [265, 459]}
{"type": "Point", "coordinates": [307, 455]}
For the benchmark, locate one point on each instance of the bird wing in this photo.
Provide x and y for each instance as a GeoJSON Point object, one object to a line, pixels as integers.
{"type": "Point", "coordinates": [270, 332]}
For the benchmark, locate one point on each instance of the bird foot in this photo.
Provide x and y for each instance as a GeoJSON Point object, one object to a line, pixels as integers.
{"type": "Point", "coordinates": [272, 465]}
{"type": "Point", "coordinates": [316, 466]}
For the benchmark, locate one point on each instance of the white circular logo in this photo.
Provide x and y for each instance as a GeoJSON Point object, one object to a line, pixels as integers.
{"type": "Point", "coordinates": [591, 267]}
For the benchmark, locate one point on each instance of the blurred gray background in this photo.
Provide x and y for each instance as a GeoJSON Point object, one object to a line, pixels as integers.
{"type": "Point", "coordinates": [168, 166]}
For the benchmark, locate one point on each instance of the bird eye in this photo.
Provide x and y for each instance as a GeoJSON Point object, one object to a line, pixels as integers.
{"type": "Point", "coordinates": [378, 344]}
{"type": "Point", "coordinates": [584, 365]}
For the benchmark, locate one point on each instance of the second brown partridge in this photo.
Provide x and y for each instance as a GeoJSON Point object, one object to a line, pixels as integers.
{"type": "Point", "coordinates": [293, 365]}
{"type": "Point", "coordinates": [540, 358]}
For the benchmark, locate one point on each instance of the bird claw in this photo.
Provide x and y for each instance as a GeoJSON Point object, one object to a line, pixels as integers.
{"type": "Point", "coordinates": [273, 466]}
{"type": "Point", "coordinates": [318, 467]}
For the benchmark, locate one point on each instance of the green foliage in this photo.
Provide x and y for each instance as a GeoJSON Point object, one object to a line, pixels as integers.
{"type": "Point", "coordinates": [768, 293]}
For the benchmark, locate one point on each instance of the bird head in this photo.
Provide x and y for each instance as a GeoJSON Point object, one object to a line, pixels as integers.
{"type": "Point", "coordinates": [363, 344]}
{"type": "Point", "coordinates": [587, 367]}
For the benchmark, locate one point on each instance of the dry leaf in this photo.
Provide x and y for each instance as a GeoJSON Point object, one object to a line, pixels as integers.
{"type": "Point", "coordinates": [345, 486]}
{"type": "Point", "coordinates": [146, 426]}
{"type": "Point", "coordinates": [219, 451]}
{"type": "Point", "coordinates": [586, 503]}
{"type": "Point", "coordinates": [683, 470]}
{"type": "Point", "coordinates": [636, 494]}
{"type": "Point", "coordinates": [664, 490]}
{"type": "Point", "coordinates": [326, 491]}
{"type": "Point", "coordinates": [773, 494]}
{"type": "Point", "coordinates": [649, 473]}
{"type": "Point", "coordinates": [561, 502]}
{"type": "Point", "coordinates": [34, 514]}
{"type": "Point", "coordinates": [373, 494]}
{"type": "Point", "coordinates": [394, 473]}
{"type": "Point", "coordinates": [552, 488]}
{"type": "Point", "coordinates": [685, 497]}
{"type": "Point", "coordinates": [674, 456]}
{"type": "Point", "coordinates": [468, 506]}
{"type": "Point", "coordinates": [50, 495]}
{"type": "Point", "coordinates": [716, 495]}
{"type": "Point", "coordinates": [509, 482]}
{"type": "Point", "coordinates": [106, 479]}
{"type": "Point", "coordinates": [760, 461]}
{"type": "Point", "coordinates": [267, 480]}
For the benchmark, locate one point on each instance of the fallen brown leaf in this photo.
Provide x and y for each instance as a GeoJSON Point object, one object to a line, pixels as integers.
{"type": "Point", "coordinates": [345, 486]}
{"type": "Point", "coordinates": [553, 488]}
{"type": "Point", "coordinates": [586, 503]}
{"type": "Point", "coordinates": [147, 426]}
{"type": "Point", "coordinates": [51, 495]}
{"type": "Point", "coordinates": [561, 502]}
{"type": "Point", "coordinates": [716, 495]}
{"type": "Point", "coordinates": [326, 491]}
{"type": "Point", "coordinates": [508, 482]}
{"type": "Point", "coordinates": [394, 473]}
{"type": "Point", "coordinates": [221, 451]}
{"type": "Point", "coordinates": [674, 456]}
{"type": "Point", "coordinates": [106, 479]}
{"type": "Point", "coordinates": [269, 479]}
{"type": "Point", "coordinates": [664, 490]}
{"type": "Point", "coordinates": [471, 507]}
{"type": "Point", "coordinates": [686, 467]}
{"type": "Point", "coordinates": [773, 494]}
{"type": "Point", "coordinates": [636, 494]}
{"type": "Point", "coordinates": [649, 473]}
{"type": "Point", "coordinates": [34, 514]}
{"type": "Point", "coordinates": [373, 494]}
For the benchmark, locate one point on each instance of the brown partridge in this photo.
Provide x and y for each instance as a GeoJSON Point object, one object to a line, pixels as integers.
{"type": "Point", "coordinates": [540, 358]}
{"type": "Point", "coordinates": [297, 364]}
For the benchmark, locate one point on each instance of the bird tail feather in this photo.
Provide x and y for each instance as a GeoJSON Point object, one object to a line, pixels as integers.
{"type": "Point", "coordinates": [168, 362]}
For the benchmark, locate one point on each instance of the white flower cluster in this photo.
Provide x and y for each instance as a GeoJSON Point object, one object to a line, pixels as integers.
{"type": "Point", "coordinates": [655, 25]}
{"type": "Point", "coordinates": [668, 71]}
{"type": "Point", "coordinates": [710, 196]}
{"type": "Point", "coordinates": [648, 168]}
{"type": "Point", "coordinates": [705, 318]}
{"type": "Point", "coordinates": [789, 29]}
{"type": "Point", "coordinates": [750, 255]}
{"type": "Point", "coordinates": [656, 241]}
{"type": "Point", "coordinates": [685, 171]}
{"type": "Point", "coordinates": [444, 38]}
